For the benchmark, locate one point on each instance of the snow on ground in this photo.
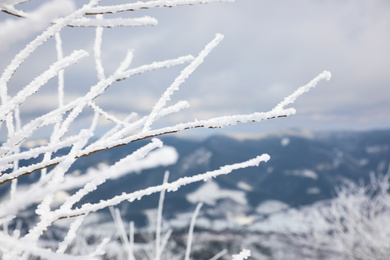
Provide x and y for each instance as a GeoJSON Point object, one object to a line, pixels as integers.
{"type": "Point", "coordinates": [201, 156]}
{"type": "Point", "coordinates": [285, 141]}
{"type": "Point", "coordinates": [302, 173]}
{"type": "Point", "coordinates": [244, 186]}
{"type": "Point", "coordinates": [313, 190]}
{"type": "Point", "coordinates": [280, 222]}
{"type": "Point", "coordinates": [377, 149]}
{"type": "Point", "coordinates": [210, 192]}
{"type": "Point", "coordinates": [271, 206]}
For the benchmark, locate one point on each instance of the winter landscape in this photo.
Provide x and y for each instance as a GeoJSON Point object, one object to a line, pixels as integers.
{"type": "Point", "coordinates": [265, 206]}
{"type": "Point", "coordinates": [137, 130]}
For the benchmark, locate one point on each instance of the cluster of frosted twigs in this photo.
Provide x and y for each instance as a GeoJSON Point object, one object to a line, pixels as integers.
{"type": "Point", "coordinates": [19, 244]}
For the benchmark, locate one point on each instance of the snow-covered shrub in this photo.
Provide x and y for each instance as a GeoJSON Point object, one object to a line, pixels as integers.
{"type": "Point", "coordinates": [17, 243]}
{"type": "Point", "coordinates": [353, 225]}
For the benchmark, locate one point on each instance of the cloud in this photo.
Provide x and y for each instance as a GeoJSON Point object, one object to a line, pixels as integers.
{"type": "Point", "coordinates": [270, 49]}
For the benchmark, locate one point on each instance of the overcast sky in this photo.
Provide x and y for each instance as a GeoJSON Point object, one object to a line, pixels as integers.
{"type": "Point", "coordinates": [270, 49]}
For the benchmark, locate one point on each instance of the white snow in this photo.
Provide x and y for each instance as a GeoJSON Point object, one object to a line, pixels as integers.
{"type": "Point", "coordinates": [60, 197]}
{"type": "Point", "coordinates": [271, 206]}
{"type": "Point", "coordinates": [244, 186]}
{"type": "Point", "coordinates": [244, 220]}
{"type": "Point", "coordinates": [244, 254]}
{"type": "Point", "coordinates": [285, 141]}
{"type": "Point", "coordinates": [280, 222]}
{"type": "Point", "coordinates": [376, 149]}
{"type": "Point", "coordinates": [200, 157]}
{"type": "Point", "coordinates": [313, 190]}
{"type": "Point", "coordinates": [302, 173]}
{"type": "Point", "coordinates": [210, 192]}
{"type": "Point", "coordinates": [364, 161]}
{"type": "Point", "coordinates": [35, 143]}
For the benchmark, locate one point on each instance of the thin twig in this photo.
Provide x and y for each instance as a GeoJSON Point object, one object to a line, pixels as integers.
{"type": "Point", "coordinates": [122, 144]}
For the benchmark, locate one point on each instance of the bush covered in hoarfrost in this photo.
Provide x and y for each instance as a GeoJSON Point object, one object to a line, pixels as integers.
{"type": "Point", "coordinates": [49, 20]}
{"type": "Point", "coordinates": [353, 225]}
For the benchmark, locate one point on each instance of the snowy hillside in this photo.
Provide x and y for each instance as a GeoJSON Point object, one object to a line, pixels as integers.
{"type": "Point", "coordinates": [259, 204]}
{"type": "Point", "coordinates": [303, 169]}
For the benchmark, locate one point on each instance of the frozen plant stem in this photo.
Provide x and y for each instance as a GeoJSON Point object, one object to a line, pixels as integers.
{"type": "Point", "coordinates": [159, 218]}
{"type": "Point", "coordinates": [191, 231]}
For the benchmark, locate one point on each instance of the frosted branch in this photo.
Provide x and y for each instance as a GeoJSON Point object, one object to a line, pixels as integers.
{"type": "Point", "coordinates": [159, 218]}
{"type": "Point", "coordinates": [114, 22]}
{"type": "Point", "coordinates": [147, 5]}
{"type": "Point", "coordinates": [22, 171]}
{"type": "Point", "coordinates": [173, 186]}
{"type": "Point", "coordinates": [9, 9]}
{"type": "Point", "coordinates": [99, 251]}
{"type": "Point", "coordinates": [179, 80]}
{"type": "Point", "coordinates": [131, 240]}
{"type": "Point", "coordinates": [8, 243]}
{"type": "Point", "coordinates": [60, 56]}
{"type": "Point", "coordinates": [59, 171]}
{"type": "Point", "coordinates": [35, 21]}
{"type": "Point", "coordinates": [153, 66]}
{"type": "Point", "coordinates": [165, 240]}
{"type": "Point", "coordinates": [116, 215]}
{"type": "Point", "coordinates": [116, 135]}
{"type": "Point", "coordinates": [53, 116]}
{"type": "Point", "coordinates": [106, 115]}
{"type": "Point", "coordinates": [33, 45]}
{"type": "Point", "coordinates": [217, 122]}
{"type": "Point", "coordinates": [219, 255]}
{"type": "Point", "coordinates": [133, 116]}
{"type": "Point", "coordinates": [97, 49]}
{"type": "Point", "coordinates": [291, 98]}
{"type": "Point", "coordinates": [191, 231]}
{"type": "Point", "coordinates": [40, 81]}
{"type": "Point", "coordinates": [132, 163]}
{"type": "Point", "coordinates": [139, 160]}
{"type": "Point", "coordinates": [126, 62]}
{"type": "Point", "coordinates": [35, 152]}
{"type": "Point", "coordinates": [57, 176]}
{"type": "Point", "coordinates": [71, 234]}
{"type": "Point", "coordinates": [132, 129]}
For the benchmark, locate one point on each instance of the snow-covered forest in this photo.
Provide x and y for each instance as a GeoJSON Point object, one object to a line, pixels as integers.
{"type": "Point", "coordinates": [31, 148]}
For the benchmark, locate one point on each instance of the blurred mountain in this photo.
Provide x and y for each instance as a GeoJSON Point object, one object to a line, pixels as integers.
{"type": "Point", "coordinates": [304, 168]}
